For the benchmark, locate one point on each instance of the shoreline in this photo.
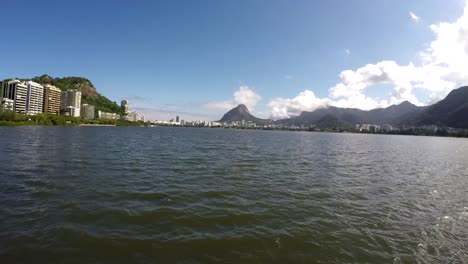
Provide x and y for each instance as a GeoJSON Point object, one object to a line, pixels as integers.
{"type": "Point", "coordinates": [237, 128]}
{"type": "Point", "coordinates": [97, 125]}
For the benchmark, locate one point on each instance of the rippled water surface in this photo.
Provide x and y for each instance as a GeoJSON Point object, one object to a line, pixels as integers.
{"type": "Point", "coordinates": [182, 195]}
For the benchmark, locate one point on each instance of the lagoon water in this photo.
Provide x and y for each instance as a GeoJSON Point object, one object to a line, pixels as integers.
{"type": "Point", "coordinates": [188, 195]}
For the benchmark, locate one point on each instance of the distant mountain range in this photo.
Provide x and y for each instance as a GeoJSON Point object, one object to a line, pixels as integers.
{"type": "Point", "coordinates": [451, 111]}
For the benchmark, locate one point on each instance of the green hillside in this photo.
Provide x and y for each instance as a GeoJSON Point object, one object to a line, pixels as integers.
{"type": "Point", "coordinates": [88, 91]}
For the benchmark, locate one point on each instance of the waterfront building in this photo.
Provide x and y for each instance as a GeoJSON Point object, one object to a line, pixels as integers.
{"type": "Point", "coordinates": [107, 115]}
{"type": "Point", "coordinates": [387, 128]}
{"type": "Point", "coordinates": [7, 104]}
{"type": "Point", "coordinates": [72, 111]}
{"type": "Point", "coordinates": [52, 96]}
{"type": "Point", "coordinates": [133, 116]}
{"type": "Point", "coordinates": [130, 116]}
{"type": "Point", "coordinates": [87, 111]}
{"type": "Point", "coordinates": [125, 106]}
{"type": "Point", "coordinates": [16, 92]}
{"type": "Point", "coordinates": [70, 103]}
{"type": "Point", "coordinates": [35, 98]}
{"type": "Point", "coordinates": [177, 119]}
{"type": "Point", "coordinates": [365, 127]}
{"type": "Point", "coordinates": [23, 97]}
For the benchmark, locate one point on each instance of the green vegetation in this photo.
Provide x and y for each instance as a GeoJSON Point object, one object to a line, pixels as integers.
{"type": "Point", "coordinates": [102, 103]}
{"type": "Point", "coordinates": [332, 122]}
{"type": "Point", "coordinates": [11, 118]}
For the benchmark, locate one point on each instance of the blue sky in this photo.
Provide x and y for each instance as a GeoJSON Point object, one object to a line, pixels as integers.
{"type": "Point", "coordinates": [191, 57]}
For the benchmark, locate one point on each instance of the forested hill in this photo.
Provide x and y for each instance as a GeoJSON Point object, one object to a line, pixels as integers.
{"type": "Point", "coordinates": [89, 93]}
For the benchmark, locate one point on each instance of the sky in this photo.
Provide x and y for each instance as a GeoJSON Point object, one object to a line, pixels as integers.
{"type": "Point", "coordinates": [198, 59]}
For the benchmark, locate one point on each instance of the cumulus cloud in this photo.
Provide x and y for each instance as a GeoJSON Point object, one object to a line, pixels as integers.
{"type": "Point", "coordinates": [354, 83]}
{"type": "Point", "coordinates": [305, 101]}
{"type": "Point", "coordinates": [443, 67]}
{"type": "Point", "coordinates": [244, 95]}
{"type": "Point", "coordinates": [414, 17]}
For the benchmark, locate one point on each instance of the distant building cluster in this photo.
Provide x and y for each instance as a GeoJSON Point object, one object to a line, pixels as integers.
{"type": "Point", "coordinates": [386, 128]}
{"type": "Point", "coordinates": [362, 128]}
{"type": "Point", "coordinates": [131, 116]}
{"type": "Point", "coordinates": [374, 128]}
{"type": "Point", "coordinates": [180, 122]}
{"type": "Point", "coordinates": [31, 98]}
{"type": "Point", "coordinates": [244, 124]}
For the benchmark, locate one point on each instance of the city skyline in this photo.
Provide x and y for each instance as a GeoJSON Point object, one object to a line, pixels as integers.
{"type": "Point", "coordinates": [171, 61]}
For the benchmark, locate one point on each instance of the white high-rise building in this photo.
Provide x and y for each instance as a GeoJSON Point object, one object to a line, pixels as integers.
{"type": "Point", "coordinates": [17, 92]}
{"type": "Point", "coordinates": [35, 98]}
{"type": "Point", "coordinates": [23, 97]}
{"type": "Point", "coordinates": [70, 103]}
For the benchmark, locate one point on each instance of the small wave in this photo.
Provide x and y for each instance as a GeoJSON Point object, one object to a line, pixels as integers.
{"type": "Point", "coordinates": [42, 194]}
{"type": "Point", "coordinates": [37, 183]}
{"type": "Point", "coordinates": [144, 196]}
{"type": "Point", "coordinates": [135, 170]}
{"type": "Point", "coordinates": [79, 244]}
{"type": "Point", "coordinates": [216, 194]}
{"type": "Point", "coordinates": [445, 240]}
{"type": "Point", "coordinates": [122, 216]}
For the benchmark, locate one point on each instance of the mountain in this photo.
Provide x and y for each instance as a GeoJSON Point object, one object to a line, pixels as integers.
{"type": "Point", "coordinates": [240, 113]}
{"type": "Point", "coordinates": [452, 111]}
{"type": "Point", "coordinates": [331, 121]}
{"type": "Point", "coordinates": [390, 115]}
{"type": "Point", "coordinates": [88, 91]}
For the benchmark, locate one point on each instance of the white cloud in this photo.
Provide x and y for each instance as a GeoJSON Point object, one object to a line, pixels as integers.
{"type": "Point", "coordinates": [242, 96]}
{"type": "Point", "coordinates": [305, 101]}
{"type": "Point", "coordinates": [448, 53]}
{"type": "Point", "coordinates": [360, 101]}
{"type": "Point", "coordinates": [347, 51]}
{"type": "Point", "coordinates": [354, 83]}
{"type": "Point", "coordinates": [414, 17]}
{"type": "Point", "coordinates": [443, 67]}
